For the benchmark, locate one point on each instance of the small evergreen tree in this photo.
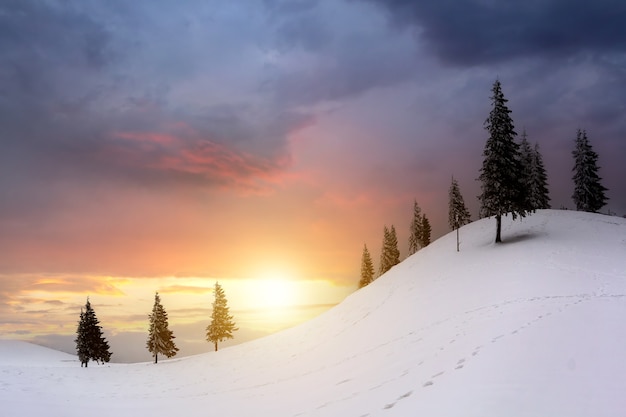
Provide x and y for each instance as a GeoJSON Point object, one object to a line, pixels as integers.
{"type": "Point", "coordinates": [425, 231]}
{"type": "Point", "coordinates": [367, 268]}
{"type": "Point", "coordinates": [393, 245]}
{"type": "Point", "coordinates": [588, 191]}
{"type": "Point", "coordinates": [160, 337]}
{"type": "Point", "coordinates": [415, 229]}
{"type": "Point", "coordinates": [527, 157]}
{"type": "Point", "coordinates": [458, 215]}
{"type": "Point", "coordinates": [390, 255]}
{"type": "Point", "coordinates": [90, 343]}
{"type": "Point", "coordinates": [222, 325]}
{"type": "Point", "coordinates": [534, 177]}
{"type": "Point", "coordinates": [539, 195]}
{"type": "Point", "coordinates": [501, 174]}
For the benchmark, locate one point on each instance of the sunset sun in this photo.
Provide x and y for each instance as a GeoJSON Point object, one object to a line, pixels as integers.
{"type": "Point", "coordinates": [277, 292]}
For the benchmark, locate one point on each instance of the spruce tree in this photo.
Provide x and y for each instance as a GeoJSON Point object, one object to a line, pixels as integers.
{"type": "Point", "coordinates": [90, 343]}
{"type": "Point", "coordinates": [415, 229]}
{"type": "Point", "coordinates": [588, 191]}
{"type": "Point", "coordinates": [527, 157]}
{"type": "Point", "coordinates": [534, 177]}
{"type": "Point", "coordinates": [160, 337]}
{"type": "Point", "coordinates": [393, 244]}
{"type": "Point", "coordinates": [82, 347]}
{"type": "Point", "coordinates": [222, 325]}
{"type": "Point", "coordinates": [390, 255]}
{"type": "Point", "coordinates": [425, 231]}
{"type": "Point", "coordinates": [539, 194]}
{"type": "Point", "coordinates": [503, 191]}
{"type": "Point", "coordinates": [458, 215]}
{"type": "Point", "coordinates": [367, 268]}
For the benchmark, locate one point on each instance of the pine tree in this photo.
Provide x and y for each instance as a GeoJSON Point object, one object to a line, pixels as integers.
{"type": "Point", "coordinates": [425, 231]}
{"type": "Point", "coordinates": [458, 215]}
{"type": "Point", "coordinates": [534, 177]}
{"type": "Point", "coordinates": [82, 347]}
{"type": "Point", "coordinates": [222, 325]}
{"type": "Point", "coordinates": [367, 268]}
{"type": "Point", "coordinates": [415, 229]}
{"type": "Point", "coordinates": [160, 337]}
{"type": "Point", "coordinates": [393, 245]}
{"type": "Point", "coordinates": [588, 192]}
{"type": "Point", "coordinates": [90, 343]}
{"type": "Point", "coordinates": [501, 174]}
{"type": "Point", "coordinates": [539, 195]}
{"type": "Point", "coordinates": [527, 157]}
{"type": "Point", "coordinates": [390, 255]}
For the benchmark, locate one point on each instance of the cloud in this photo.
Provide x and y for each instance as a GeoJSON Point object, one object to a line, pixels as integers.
{"type": "Point", "coordinates": [474, 32]}
{"type": "Point", "coordinates": [185, 289]}
{"type": "Point", "coordinates": [315, 61]}
{"type": "Point", "coordinates": [71, 85]}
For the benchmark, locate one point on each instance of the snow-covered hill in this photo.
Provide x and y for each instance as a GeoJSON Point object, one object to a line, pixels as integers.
{"type": "Point", "coordinates": [535, 326]}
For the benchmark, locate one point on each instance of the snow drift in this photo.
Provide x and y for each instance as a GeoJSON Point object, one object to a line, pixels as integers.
{"type": "Point", "coordinates": [533, 326]}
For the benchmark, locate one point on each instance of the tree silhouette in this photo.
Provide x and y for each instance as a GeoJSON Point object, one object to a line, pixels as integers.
{"type": "Point", "coordinates": [588, 191]}
{"type": "Point", "coordinates": [458, 215]}
{"type": "Point", "coordinates": [90, 343]}
{"type": "Point", "coordinates": [503, 191]}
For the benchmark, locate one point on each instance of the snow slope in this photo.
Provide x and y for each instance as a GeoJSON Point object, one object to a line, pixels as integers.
{"type": "Point", "coordinates": [535, 326]}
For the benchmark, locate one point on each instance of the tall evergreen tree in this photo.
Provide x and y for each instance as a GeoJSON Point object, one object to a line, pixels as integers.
{"type": "Point", "coordinates": [458, 215]}
{"type": "Point", "coordinates": [415, 229]}
{"type": "Point", "coordinates": [501, 174]}
{"type": "Point", "coordinates": [367, 268]}
{"type": "Point", "coordinates": [539, 194]}
{"type": "Point", "coordinates": [160, 337]}
{"type": "Point", "coordinates": [390, 255]}
{"type": "Point", "coordinates": [425, 231]}
{"type": "Point", "coordinates": [222, 325]}
{"type": "Point", "coordinates": [90, 343]}
{"type": "Point", "coordinates": [588, 191]}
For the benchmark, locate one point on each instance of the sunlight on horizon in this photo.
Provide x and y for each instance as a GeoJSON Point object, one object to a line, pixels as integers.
{"type": "Point", "coordinates": [270, 302]}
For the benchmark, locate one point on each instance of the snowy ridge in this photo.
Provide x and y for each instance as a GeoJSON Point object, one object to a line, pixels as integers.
{"type": "Point", "coordinates": [533, 326]}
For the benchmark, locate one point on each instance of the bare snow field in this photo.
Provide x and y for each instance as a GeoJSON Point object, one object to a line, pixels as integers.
{"type": "Point", "coordinates": [535, 326]}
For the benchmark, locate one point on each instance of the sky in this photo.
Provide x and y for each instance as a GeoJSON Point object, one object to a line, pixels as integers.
{"type": "Point", "coordinates": [158, 146]}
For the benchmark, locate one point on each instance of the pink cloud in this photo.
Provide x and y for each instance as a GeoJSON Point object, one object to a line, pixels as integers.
{"type": "Point", "coordinates": [188, 153]}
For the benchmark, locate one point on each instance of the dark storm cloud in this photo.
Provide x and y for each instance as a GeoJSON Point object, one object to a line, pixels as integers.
{"type": "Point", "coordinates": [562, 63]}
{"type": "Point", "coordinates": [470, 32]}
{"type": "Point", "coordinates": [331, 51]}
{"type": "Point", "coordinates": [73, 78]}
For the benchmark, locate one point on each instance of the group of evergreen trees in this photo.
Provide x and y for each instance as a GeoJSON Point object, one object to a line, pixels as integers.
{"type": "Point", "coordinates": [513, 180]}
{"type": "Point", "coordinates": [420, 231]}
{"type": "Point", "coordinates": [91, 345]}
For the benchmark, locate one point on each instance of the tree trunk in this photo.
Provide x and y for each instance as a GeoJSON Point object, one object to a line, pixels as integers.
{"type": "Point", "coordinates": [498, 228]}
{"type": "Point", "coordinates": [216, 346]}
{"type": "Point", "coordinates": [156, 357]}
{"type": "Point", "coordinates": [457, 239]}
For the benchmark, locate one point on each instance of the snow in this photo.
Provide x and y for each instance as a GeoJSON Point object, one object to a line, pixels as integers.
{"type": "Point", "coordinates": [530, 327]}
